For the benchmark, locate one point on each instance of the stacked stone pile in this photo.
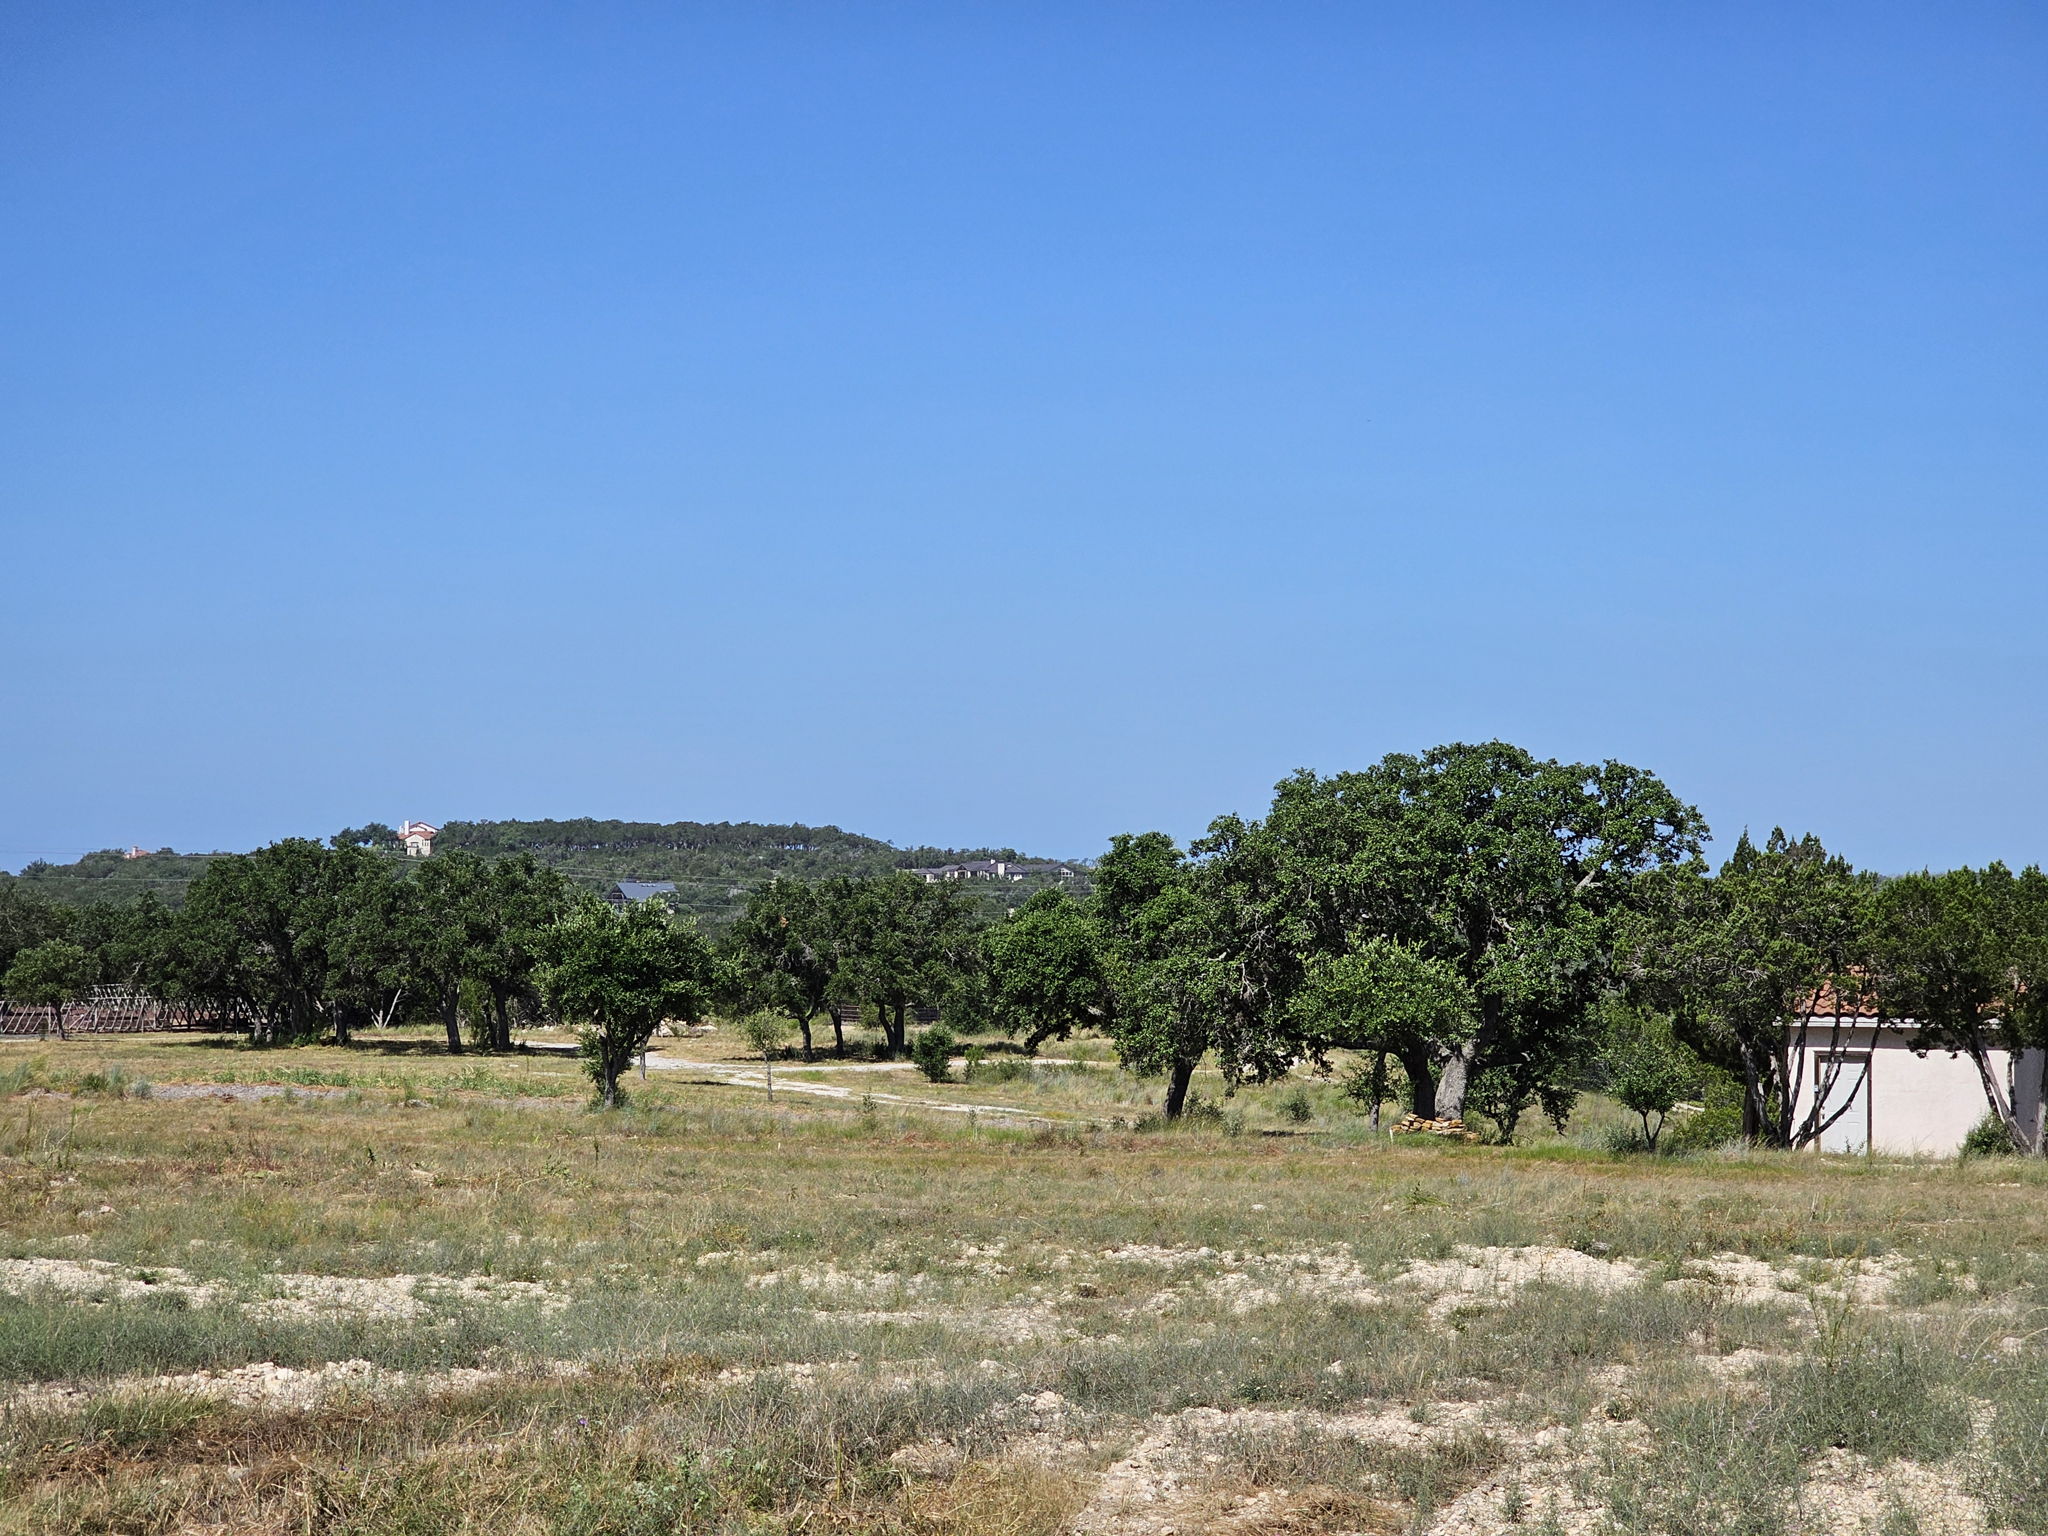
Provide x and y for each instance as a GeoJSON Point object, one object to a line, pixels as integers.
{"type": "Point", "coordinates": [1416, 1125]}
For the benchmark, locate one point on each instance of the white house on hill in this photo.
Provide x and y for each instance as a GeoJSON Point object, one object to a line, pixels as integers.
{"type": "Point", "coordinates": [417, 839]}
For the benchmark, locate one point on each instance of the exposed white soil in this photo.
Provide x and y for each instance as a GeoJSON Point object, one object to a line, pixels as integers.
{"type": "Point", "coordinates": [1475, 1277]}
{"type": "Point", "coordinates": [1740, 1364]}
{"type": "Point", "coordinates": [1539, 1483]}
{"type": "Point", "coordinates": [1844, 1495]}
{"type": "Point", "coordinates": [399, 1298]}
{"type": "Point", "coordinates": [1490, 1277]}
{"type": "Point", "coordinates": [91, 1280]}
{"type": "Point", "coordinates": [1175, 1478]}
{"type": "Point", "coordinates": [1012, 1323]}
{"type": "Point", "coordinates": [829, 1280]}
{"type": "Point", "coordinates": [1801, 1285]}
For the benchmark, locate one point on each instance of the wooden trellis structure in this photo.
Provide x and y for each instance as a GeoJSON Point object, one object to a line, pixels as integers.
{"type": "Point", "coordinates": [112, 1011]}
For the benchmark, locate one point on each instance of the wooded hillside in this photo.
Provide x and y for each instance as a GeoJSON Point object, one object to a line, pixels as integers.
{"type": "Point", "coordinates": [714, 864]}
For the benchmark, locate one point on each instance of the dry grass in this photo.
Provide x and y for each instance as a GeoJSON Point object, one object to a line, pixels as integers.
{"type": "Point", "coordinates": [704, 1314]}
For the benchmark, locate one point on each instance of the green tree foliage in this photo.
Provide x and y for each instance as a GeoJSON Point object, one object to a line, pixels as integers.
{"type": "Point", "coordinates": [1379, 998]}
{"type": "Point", "coordinates": [1513, 873]}
{"type": "Point", "coordinates": [373, 929]}
{"type": "Point", "coordinates": [519, 899]}
{"type": "Point", "coordinates": [1647, 1070]}
{"type": "Point", "coordinates": [1045, 971]}
{"type": "Point", "coordinates": [255, 933]}
{"type": "Point", "coordinates": [715, 865]}
{"type": "Point", "coordinates": [453, 924]}
{"type": "Point", "coordinates": [788, 948]}
{"type": "Point", "coordinates": [617, 976]}
{"type": "Point", "coordinates": [1165, 959]}
{"type": "Point", "coordinates": [372, 834]}
{"type": "Point", "coordinates": [907, 943]}
{"type": "Point", "coordinates": [111, 875]}
{"type": "Point", "coordinates": [27, 919]}
{"type": "Point", "coordinates": [1964, 956]}
{"type": "Point", "coordinates": [1756, 962]}
{"type": "Point", "coordinates": [50, 975]}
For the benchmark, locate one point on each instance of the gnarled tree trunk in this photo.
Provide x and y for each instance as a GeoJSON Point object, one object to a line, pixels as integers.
{"type": "Point", "coordinates": [451, 1018]}
{"type": "Point", "coordinates": [1177, 1079]}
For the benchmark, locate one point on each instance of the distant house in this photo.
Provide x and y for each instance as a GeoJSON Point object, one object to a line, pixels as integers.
{"type": "Point", "coordinates": [635, 891]}
{"type": "Point", "coordinates": [417, 839]}
{"type": "Point", "coordinates": [994, 869]}
{"type": "Point", "coordinates": [1882, 1088]}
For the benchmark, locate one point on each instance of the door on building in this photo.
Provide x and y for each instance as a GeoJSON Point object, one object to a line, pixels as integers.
{"type": "Point", "coordinates": [1848, 1093]}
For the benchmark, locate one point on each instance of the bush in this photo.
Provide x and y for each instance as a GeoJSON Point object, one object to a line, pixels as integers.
{"type": "Point", "coordinates": [1988, 1138]}
{"type": "Point", "coordinates": [1295, 1108]}
{"type": "Point", "coordinates": [932, 1051]}
{"type": "Point", "coordinates": [1716, 1124]}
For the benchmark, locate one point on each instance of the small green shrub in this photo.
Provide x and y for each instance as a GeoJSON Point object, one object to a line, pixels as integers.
{"type": "Point", "coordinates": [1718, 1121]}
{"type": "Point", "coordinates": [1988, 1138]}
{"type": "Point", "coordinates": [1295, 1108]}
{"type": "Point", "coordinates": [932, 1052]}
{"type": "Point", "coordinates": [1623, 1140]}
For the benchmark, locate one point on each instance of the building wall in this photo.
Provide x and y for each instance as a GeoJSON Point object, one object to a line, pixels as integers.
{"type": "Point", "coordinates": [1916, 1104]}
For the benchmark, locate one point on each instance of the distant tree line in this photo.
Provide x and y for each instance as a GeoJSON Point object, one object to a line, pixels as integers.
{"type": "Point", "coordinates": [714, 864]}
{"type": "Point", "coordinates": [1476, 930]}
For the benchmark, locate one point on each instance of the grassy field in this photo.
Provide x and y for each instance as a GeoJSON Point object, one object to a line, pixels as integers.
{"type": "Point", "coordinates": [386, 1290]}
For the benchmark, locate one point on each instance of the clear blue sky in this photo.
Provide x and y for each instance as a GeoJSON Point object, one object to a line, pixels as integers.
{"type": "Point", "coordinates": [1017, 423]}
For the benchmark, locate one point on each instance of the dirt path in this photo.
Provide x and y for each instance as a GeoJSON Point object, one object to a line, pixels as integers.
{"type": "Point", "coordinates": [727, 1075]}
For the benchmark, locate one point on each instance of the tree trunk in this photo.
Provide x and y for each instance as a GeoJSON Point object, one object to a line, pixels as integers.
{"type": "Point", "coordinates": [1453, 1083]}
{"type": "Point", "coordinates": [58, 1009]}
{"type": "Point", "coordinates": [608, 1090]}
{"type": "Point", "coordinates": [2004, 1106]}
{"type": "Point", "coordinates": [804, 1024]}
{"type": "Point", "coordinates": [451, 1018]}
{"type": "Point", "coordinates": [838, 1034]}
{"type": "Point", "coordinates": [501, 1024]}
{"type": "Point", "coordinates": [1421, 1082]}
{"type": "Point", "coordinates": [1177, 1080]}
{"type": "Point", "coordinates": [2035, 1125]}
{"type": "Point", "coordinates": [894, 1023]}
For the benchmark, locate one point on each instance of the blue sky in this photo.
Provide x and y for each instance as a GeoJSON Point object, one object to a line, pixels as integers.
{"type": "Point", "coordinates": [1017, 423]}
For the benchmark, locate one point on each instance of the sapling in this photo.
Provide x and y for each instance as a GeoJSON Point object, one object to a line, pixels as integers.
{"type": "Point", "coordinates": [766, 1032]}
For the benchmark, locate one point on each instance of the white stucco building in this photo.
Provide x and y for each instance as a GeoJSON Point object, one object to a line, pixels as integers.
{"type": "Point", "coordinates": [1898, 1100]}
